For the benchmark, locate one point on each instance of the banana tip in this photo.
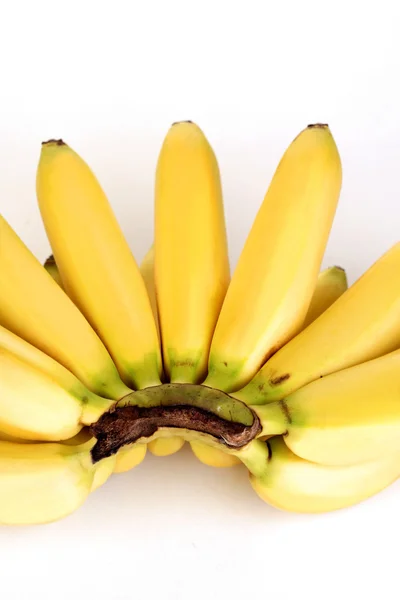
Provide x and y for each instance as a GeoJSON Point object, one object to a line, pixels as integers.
{"type": "Point", "coordinates": [53, 142]}
{"type": "Point", "coordinates": [180, 122]}
{"type": "Point", "coordinates": [318, 126]}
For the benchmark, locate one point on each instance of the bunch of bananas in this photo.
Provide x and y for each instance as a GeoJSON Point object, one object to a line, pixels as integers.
{"type": "Point", "coordinates": [280, 368]}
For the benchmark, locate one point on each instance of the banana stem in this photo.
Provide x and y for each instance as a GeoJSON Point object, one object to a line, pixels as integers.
{"type": "Point", "coordinates": [255, 457]}
{"type": "Point", "coordinates": [274, 417]}
{"type": "Point", "coordinates": [94, 408]}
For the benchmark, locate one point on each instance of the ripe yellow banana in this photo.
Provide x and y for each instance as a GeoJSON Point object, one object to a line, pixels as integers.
{"type": "Point", "coordinates": [362, 324]}
{"type": "Point", "coordinates": [331, 284]}
{"type": "Point", "coordinates": [275, 278]}
{"type": "Point", "coordinates": [40, 483]}
{"type": "Point", "coordinates": [213, 457]}
{"type": "Point", "coordinates": [191, 257]}
{"type": "Point", "coordinates": [96, 265]}
{"type": "Point", "coordinates": [345, 418]}
{"type": "Point", "coordinates": [127, 458]}
{"type": "Point", "coordinates": [293, 484]}
{"type": "Point", "coordinates": [34, 406]}
{"type": "Point", "coordinates": [25, 352]}
{"type": "Point", "coordinates": [34, 307]}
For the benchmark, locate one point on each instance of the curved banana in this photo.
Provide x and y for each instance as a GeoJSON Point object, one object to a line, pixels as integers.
{"type": "Point", "coordinates": [272, 286]}
{"type": "Point", "coordinates": [34, 307]}
{"type": "Point", "coordinates": [40, 483]}
{"type": "Point", "coordinates": [212, 457]}
{"type": "Point", "coordinates": [129, 457]}
{"type": "Point", "coordinates": [191, 255]}
{"type": "Point", "coordinates": [34, 406]}
{"type": "Point", "coordinates": [11, 343]}
{"type": "Point", "coordinates": [96, 265]}
{"type": "Point", "coordinates": [362, 324]}
{"type": "Point", "coordinates": [293, 484]}
{"type": "Point", "coordinates": [345, 418]}
{"type": "Point", "coordinates": [331, 284]}
{"type": "Point", "coordinates": [166, 446]}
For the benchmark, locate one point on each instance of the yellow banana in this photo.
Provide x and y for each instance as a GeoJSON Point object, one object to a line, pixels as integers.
{"type": "Point", "coordinates": [31, 355]}
{"type": "Point", "coordinates": [213, 457]}
{"type": "Point", "coordinates": [166, 446]}
{"type": "Point", "coordinates": [96, 265]}
{"type": "Point", "coordinates": [129, 457]}
{"type": "Point", "coordinates": [126, 458]}
{"type": "Point", "coordinates": [362, 324]}
{"type": "Point", "coordinates": [331, 284]}
{"type": "Point", "coordinates": [40, 483]}
{"type": "Point", "coordinates": [272, 286]}
{"type": "Point", "coordinates": [293, 484]}
{"type": "Point", "coordinates": [34, 307]}
{"type": "Point", "coordinates": [348, 417]}
{"type": "Point", "coordinates": [191, 258]}
{"type": "Point", "coordinates": [34, 406]}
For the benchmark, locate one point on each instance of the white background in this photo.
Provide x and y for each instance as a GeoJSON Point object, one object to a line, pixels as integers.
{"type": "Point", "coordinates": [110, 77]}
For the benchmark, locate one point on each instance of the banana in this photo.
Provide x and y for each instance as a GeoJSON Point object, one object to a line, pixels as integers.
{"type": "Point", "coordinates": [129, 457]}
{"type": "Point", "coordinates": [34, 307]}
{"type": "Point", "coordinates": [34, 406]}
{"type": "Point", "coordinates": [126, 458]}
{"type": "Point", "coordinates": [272, 286]}
{"type": "Point", "coordinates": [362, 324]}
{"type": "Point", "coordinates": [96, 265]}
{"type": "Point", "coordinates": [191, 256]}
{"type": "Point", "coordinates": [26, 353]}
{"type": "Point", "coordinates": [41, 483]}
{"type": "Point", "coordinates": [331, 284]}
{"type": "Point", "coordinates": [293, 484]}
{"type": "Point", "coordinates": [348, 417]}
{"type": "Point", "coordinates": [166, 446]}
{"type": "Point", "coordinates": [213, 457]}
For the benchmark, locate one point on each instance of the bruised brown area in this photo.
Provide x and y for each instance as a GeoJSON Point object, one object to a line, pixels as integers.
{"type": "Point", "coordinates": [286, 412]}
{"type": "Point", "coordinates": [54, 142]}
{"type": "Point", "coordinates": [127, 424]}
{"type": "Point", "coordinates": [280, 379]}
